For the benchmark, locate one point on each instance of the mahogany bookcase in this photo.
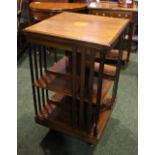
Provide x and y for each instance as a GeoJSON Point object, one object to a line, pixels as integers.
{"type": "Point", "coordinates": [75, 95]}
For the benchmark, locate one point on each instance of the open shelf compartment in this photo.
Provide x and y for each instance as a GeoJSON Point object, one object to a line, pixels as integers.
{"type": "Point", "coordinates": [58, 117]}
{"type": "Point", "coordinates": [58, 80]}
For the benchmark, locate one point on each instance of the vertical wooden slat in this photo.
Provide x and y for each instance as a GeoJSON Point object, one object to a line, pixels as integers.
{"type": "Point", "coordinates": [90, 91]}
{"type": "Point", "coordinates": [41, 72]}
{"type": "Point", "coordinates": [47, 96]}
{"type": "Point", "coordinates": [45, 61]}
{"type": "Point", "coordinates": [36, 73]}
{"type": "Point", "coordinates": [35, 62]}
{"type": "Point", "coordinates": [69, 66]}
{"type": "Point", "coordinates": [40, 61]}
{"type": "Point", "coordinates": [99, 90]}
{"type": "Point", "coordinates": [32, 79]}
{"type": "Point", "coordinates": [45, 69]}
{"type": "Point", "coordinates": [82, 88]}
{"type": "Point", "coordinates": [43, 97]}
{"type": "Point", "coordinates": [74, 106]}
{"type": "Point", "coordinates": [118, 67]}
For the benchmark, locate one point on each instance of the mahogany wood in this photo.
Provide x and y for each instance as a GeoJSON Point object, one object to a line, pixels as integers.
{"type": "Point", "coordinates": [82, 28]}
{"type": "Point", "coordinates": [83, 95]}
{"type": "Point", "coordinates": [42, 10]}
{"type": "Point", "coordinates": [49, 6]}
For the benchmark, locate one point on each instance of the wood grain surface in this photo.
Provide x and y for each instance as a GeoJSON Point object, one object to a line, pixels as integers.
{"type": "Point", "coordinates": [56, 6]}
{"type": "Point", "coordinates": [79, 27]}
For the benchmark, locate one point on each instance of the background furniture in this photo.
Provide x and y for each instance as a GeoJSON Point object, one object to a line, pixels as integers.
{"type": "Point", "coordinates": [112, 9]}
{"type": "Point", "coordinates": [42, 10]}
{"type": "Point", "coordinates": [75, 95]}
{"type": "Point", "coordinates": [21, 23]}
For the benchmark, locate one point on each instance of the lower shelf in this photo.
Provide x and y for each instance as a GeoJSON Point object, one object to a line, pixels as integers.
{"type": "Point", "coordinates": [58, 117]}
{"type": "Point", "coordinates": [113, 55]}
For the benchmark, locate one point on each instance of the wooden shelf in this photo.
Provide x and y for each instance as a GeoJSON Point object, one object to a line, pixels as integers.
{"type": "Point", "coordinates": [63, 86]}
{"type": "Point", "coordinates": [106, 85]}
{"type": "Point", "coordinates": [60, 99]}
{"type": "Point", "coordinates": [109, 70]}
{"type": "Point", "coordinates": [59, 119]}
{"type": "Point", "coordinates": [113, 55]}
{"type": "Point", "coordinates": [60, 66]}
{"type": "Point", "coordinates": [56, 98]}
{"type": "Point", "coordinates": [58, 80]}
{"type": "Point", "coordinates": [103, 120]}
{"type": "Point", "coordinates": [107, 102]}
{"type": "Point", "coordinates": [58, 116]}
{"type": "Point", "coordinates": [54, 83]}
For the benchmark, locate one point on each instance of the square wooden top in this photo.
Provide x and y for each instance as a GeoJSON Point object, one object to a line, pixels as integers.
{"type": "Point", "coordinates": [102, 31]}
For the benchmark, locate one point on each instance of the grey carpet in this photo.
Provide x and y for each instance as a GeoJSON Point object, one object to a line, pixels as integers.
{"type": "Point", "coordinates": [120, 136]}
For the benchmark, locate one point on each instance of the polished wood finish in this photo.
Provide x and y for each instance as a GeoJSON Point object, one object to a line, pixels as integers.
{"type": "Point", "coordinates": [49, 6]}
{"type": "Point", "coordinates": [113, 55]}
{"type": "Point", "coordinates": [42, 10]}
{"type": "Point", "coordinates": [113, 9]}
{"type": "Point", "coordinates": [102, 32]}
{"type": "Point", "coordinates": [84, 89]}
{"type": "Point", "coordinates": [57, 79]}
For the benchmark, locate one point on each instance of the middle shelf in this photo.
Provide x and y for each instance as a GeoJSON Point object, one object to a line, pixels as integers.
{"type": "Point", "coordinates": [57, 79]}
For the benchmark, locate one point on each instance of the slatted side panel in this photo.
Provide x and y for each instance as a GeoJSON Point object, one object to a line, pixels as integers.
{"type": "Point", "coordinates": [38, 67]}
{"type": "Point", "coordinates": [88, 114]}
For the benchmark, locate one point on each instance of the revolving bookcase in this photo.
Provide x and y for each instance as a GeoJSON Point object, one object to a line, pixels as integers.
{"type": "Point", "coordinates": [74, 95]}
